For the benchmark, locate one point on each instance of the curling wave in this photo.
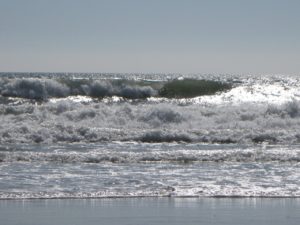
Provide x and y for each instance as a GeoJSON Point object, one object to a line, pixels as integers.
{"type": "Point", "coordinates": [43, 89]}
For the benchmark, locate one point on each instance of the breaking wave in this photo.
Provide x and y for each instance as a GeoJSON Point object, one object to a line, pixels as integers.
{"type": "Point", "coordinates": [69, 122]}
{"type": "Point", "coordinates": [34, 89]}
{"type": "Point", "coordinates": [43, 89]}
{"type": "Point", "coordinates": [68, 110]}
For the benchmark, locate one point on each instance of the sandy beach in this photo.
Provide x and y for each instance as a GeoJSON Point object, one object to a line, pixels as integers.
{"type": "Point", "coordinates": [136, 211]}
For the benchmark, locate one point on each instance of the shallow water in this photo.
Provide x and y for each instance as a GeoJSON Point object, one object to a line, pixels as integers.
{"type": "Point", "coordinates": [140, 169]}
{"type": "Point", "coordinates": [167, 211]}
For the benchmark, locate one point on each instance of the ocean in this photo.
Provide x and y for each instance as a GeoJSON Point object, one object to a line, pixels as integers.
{"type": "Point", "coordinates": [87, 136]}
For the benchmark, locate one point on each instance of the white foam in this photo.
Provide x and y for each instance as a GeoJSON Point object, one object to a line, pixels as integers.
{"type": "Point", "coordinates": [77, 99]}
{"type": "Point", "coordinates": [258, 93]}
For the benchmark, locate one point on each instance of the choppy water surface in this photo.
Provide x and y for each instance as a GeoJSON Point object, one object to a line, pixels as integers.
{"type": "Point", "coordinates": [113, 135]}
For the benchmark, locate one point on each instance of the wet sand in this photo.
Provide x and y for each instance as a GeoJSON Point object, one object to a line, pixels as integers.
{"type": "Point", "coordinates": [137, 211]}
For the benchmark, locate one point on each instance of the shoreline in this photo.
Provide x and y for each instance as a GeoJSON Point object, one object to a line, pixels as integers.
{"type": "Point", "coordinates": [164, 211]}
{"type": "Point", "coordinates": [154, 197]}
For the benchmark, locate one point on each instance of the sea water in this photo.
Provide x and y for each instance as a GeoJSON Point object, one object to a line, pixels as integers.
{"type": "Point", "coordinates": [148, 135]}
{"type": "Point", "coordinates": [154, 211]}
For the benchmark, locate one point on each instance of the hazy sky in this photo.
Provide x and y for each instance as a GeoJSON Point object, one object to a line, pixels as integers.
{"type": "Point", "coordinates": [184, 36]}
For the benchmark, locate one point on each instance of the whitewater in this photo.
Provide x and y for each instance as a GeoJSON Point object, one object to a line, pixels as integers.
{"type": "Point", "coordinates": [72, 135]}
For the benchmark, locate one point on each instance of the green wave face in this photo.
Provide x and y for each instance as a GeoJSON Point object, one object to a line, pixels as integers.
{"type": "Point", "coordinates": [189, 88]}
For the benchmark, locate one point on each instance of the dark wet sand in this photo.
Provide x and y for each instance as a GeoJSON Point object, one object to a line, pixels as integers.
{"type": "Point", "coordinates": [143, 211]}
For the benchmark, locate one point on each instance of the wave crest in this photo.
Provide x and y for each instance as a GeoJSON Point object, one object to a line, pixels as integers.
{"type": "Point", "coordinates": [42, 89]}
{"type": "Point", "coordinates": [35, 89]}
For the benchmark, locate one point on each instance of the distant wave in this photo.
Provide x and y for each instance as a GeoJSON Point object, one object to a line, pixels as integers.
{"type": "Point", "coordinates": [34, 89]}
{"type": "Point", "coordinates": [43, 89]}
{"type": "Point", "coordinates": [160, 88]}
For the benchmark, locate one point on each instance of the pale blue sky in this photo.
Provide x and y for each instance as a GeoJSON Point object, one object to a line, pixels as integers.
{"type": "Point", "coordinates": [183, 36]}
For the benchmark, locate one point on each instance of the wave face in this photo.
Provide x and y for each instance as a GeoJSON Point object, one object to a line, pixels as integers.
{"type": "Point", "coordinates": [124, 135]}
{"type": "Point", "coordinates": [43, 89]}
{"type": "Point", "coordinates": [187, 88]}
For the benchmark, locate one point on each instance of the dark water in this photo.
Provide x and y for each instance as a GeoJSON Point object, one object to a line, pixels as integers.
{"type": "Point", "coordinates": [116, 135]}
